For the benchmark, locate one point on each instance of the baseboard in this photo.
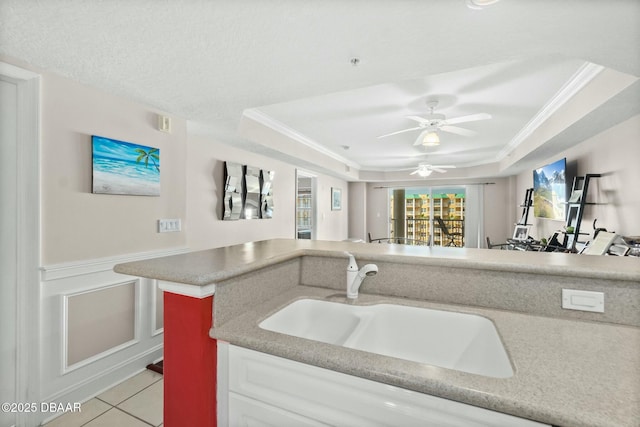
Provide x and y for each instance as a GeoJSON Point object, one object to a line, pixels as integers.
{"type": "Point", "coordinates": [102, 381]}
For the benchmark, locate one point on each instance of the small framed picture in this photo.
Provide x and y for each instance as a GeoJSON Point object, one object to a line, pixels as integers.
{"type": "Point", "coordinates": [336, 199]}
{"type": "Point", "coordinates": [521, 232]}
{"type": "Point", "coordinates": [601, 244]}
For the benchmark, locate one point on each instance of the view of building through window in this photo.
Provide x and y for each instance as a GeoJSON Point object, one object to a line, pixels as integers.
{"type": "Point", "coordinates": [428, 216]}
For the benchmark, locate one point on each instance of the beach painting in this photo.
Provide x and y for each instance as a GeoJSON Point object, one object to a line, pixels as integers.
{"type": "Point", "coordinates": [125, 168]}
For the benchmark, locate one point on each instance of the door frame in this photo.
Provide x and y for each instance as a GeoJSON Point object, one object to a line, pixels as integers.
{"type": "Point", "coordinates": [28, 239]}
{"type": "Point", "coordinates": [430, 190]}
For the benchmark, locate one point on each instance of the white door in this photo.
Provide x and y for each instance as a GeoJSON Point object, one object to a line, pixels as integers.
{"type": "Point", "coordinates": [8, 244]}
{"type": "Point", "coordinates": [19, 243]}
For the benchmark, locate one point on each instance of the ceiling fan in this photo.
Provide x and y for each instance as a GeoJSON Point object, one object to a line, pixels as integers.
{"type": "Point", "coordinates": [433, 122]}
{"type": "Point", "coordinates": [424, 169]}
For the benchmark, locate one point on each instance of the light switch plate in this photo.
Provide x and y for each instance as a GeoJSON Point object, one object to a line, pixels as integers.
{"type": "Point", "coordinates": [169, 225]}
{"type": "Point", "coordinates": [583, 300]}
{"type": "Point", "coordinates": [164, 123]}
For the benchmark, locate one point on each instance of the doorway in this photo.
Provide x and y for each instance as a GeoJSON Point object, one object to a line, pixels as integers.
{"type": "Point", "coordinates": [305, 205]}
{"type": "Point", "coordinates": [432, 216]}
{"type": "Point", "coordinates": [19, 242]}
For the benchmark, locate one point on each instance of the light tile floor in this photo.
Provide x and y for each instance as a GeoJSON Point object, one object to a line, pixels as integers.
{"type": "Point", "coordinates": [136, 402]}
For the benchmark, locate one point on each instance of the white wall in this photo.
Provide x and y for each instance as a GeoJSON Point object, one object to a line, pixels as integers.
{"type": "Point", "coordinates": [613, 153]}
{"type": "Point", "coordinates": [79, 225]}
{"type": "Point", "coordinates": [205, 172]}
{"type": "Point", "coordinates": [498, 210]}
{"type": "Point", "coordinates": [205, 175]}
{"type": "Point", "coordinates": [358, 210]}
{"type": "Point", "coordinates": [331, 225]}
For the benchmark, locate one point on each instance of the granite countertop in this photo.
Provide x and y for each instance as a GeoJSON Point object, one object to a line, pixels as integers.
{"type": "Point", "coordinates": [205, 267]}
{"type": "Point", "coordinates": [566, 372]}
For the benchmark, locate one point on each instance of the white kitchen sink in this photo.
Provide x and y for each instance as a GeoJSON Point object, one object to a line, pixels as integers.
{"type": "Point", "coordinates": [464, 342]}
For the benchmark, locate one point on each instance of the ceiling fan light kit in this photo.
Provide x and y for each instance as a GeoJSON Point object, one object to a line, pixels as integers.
{"type": "Point", "coordinates": [430, 125]}
{"type": "Point", "coordinates": [431, 139]}
{"type": "Point", "coordinates": [480, 4]}
{"type": "Point", "coordinates": [434, 122]}
{"type": "Point", "coordinates": [424, 169]}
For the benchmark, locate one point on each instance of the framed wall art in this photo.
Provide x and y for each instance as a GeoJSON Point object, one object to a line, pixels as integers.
{"type": "Point", "coordinates": [336, 199]}
{"type": "Point", "coordinates": [248, 192]}
{"type": "Point", "coordinates": [124, 168]}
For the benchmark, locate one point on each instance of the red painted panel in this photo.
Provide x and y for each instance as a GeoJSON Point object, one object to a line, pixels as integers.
{"type": "Point", "coordinates": [189, 362]}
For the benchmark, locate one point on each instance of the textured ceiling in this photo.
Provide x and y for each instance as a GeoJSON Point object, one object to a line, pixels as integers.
{"type": "Point", "coordinates": [210, 61]}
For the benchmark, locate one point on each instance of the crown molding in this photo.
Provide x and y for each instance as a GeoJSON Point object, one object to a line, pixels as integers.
{"type": "Point", "coordinates": [586, 73]}
{"type": "Point", "coordinates": [266, 120]}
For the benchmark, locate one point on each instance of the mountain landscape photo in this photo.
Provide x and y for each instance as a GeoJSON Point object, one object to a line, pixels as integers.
{"type": "Point", "coordinates": [550, 191]}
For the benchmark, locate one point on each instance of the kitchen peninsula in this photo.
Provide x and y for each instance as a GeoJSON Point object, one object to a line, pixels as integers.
{"type": "Point", "coordinates": [570, 367]}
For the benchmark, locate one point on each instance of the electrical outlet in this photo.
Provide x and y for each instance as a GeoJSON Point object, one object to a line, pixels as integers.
{"type": "Point", "coordinates": [169, 225]}
{"type": "Point", "coordinates": [583, 300]}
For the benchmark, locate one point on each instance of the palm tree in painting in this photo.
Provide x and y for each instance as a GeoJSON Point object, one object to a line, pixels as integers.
{"type": "Point", "coordinates": [151, 155]}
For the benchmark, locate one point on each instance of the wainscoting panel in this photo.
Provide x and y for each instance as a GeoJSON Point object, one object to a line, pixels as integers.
{"type": "Point", "coordinates": [157, 315]}
{"type": "Point", "coordinates": [98, 327]}
{"type": "Point", "coordinates": [99, 322]}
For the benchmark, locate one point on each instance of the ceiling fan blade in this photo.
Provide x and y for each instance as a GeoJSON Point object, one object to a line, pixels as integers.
{"type": "Point", "coordinates": [400, 131]}
{"type": "Point", "coordinates": [438, 170]}
{"type": "Point", "coordinates": [420, 120]}
{"type": "Point", "coordinates": [413, 169]}
{"type": "Point", "coordinates": [458, 131]}
{"type": "Point", "coordinates": [443, 166]}
{"type": "Point", "coordinates": [420, 138]}
{"type": "Point", "coordinates": [469, 118]}
{"type": "Point", "coordinates": [414, 172]}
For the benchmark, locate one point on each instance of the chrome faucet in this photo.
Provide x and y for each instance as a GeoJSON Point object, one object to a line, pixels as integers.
{"type": "Point", "coordinates": [355, 276]}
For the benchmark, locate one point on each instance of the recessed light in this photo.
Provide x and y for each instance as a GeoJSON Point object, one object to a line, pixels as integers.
{"type": "Point", "coordinates": [480, 4]}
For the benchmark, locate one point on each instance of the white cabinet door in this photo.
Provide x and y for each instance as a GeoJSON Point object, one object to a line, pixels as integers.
{"type": "Point", "coordinates": [247, 412]}
{"type": "Point", "coordinates": [333, 398]}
